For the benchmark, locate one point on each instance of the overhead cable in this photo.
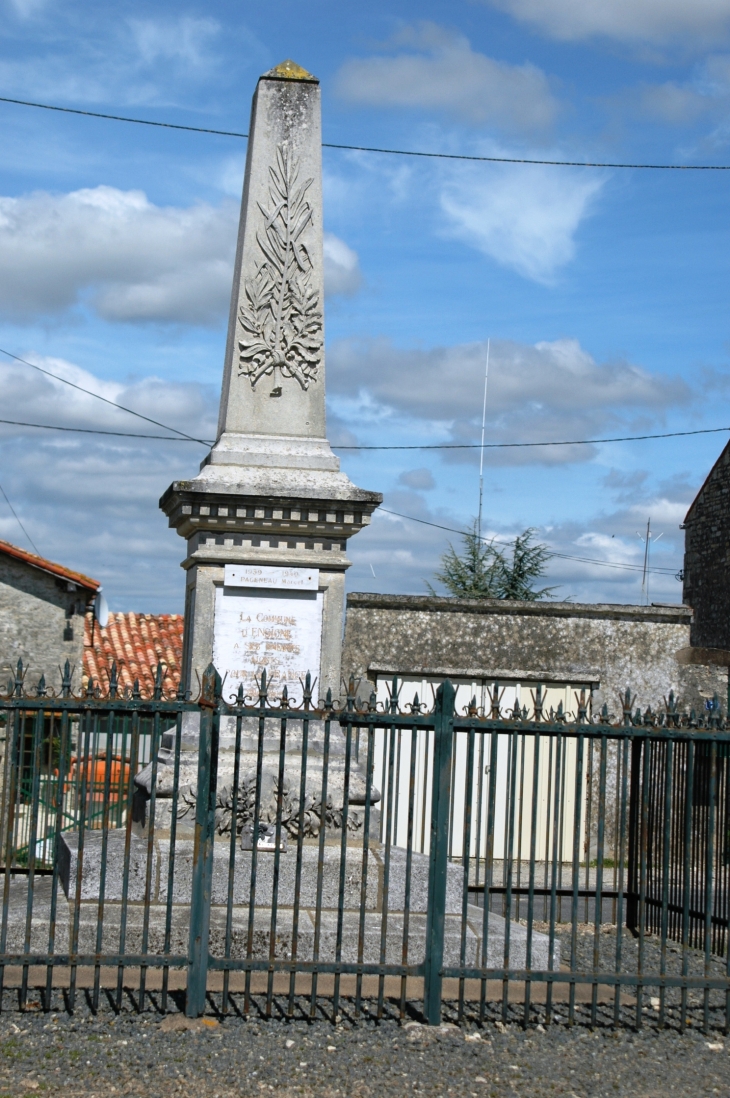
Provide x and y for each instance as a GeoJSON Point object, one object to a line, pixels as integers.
{"type": "Point", "coordinates": [20, 524]}
{"type": "Point", "coordinates": [522, 445]}
{"type": "Point", "coordinates": [563, 556]}
{"type": "Point", "coordinates": [113, 403]}
{"type": "Point", "coordinates": [425, 446]}
{"type": "Point", "coordinates": [99, 431]}
{"type": "Point", "coordinates": [121, 118]}
{"type": "Point", "coordinates": [378, 149]}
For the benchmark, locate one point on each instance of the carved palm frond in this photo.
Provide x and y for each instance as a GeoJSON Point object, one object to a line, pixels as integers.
{"type": "Point", "coordinates": [282, 319]}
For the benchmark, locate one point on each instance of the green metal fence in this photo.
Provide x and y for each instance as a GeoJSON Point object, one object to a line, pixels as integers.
{"type": "Point", "coordinates": [301, 856]}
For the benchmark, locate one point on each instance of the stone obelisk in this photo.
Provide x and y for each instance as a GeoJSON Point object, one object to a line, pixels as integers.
{"type": "Point", "coordinates": [268, 517]}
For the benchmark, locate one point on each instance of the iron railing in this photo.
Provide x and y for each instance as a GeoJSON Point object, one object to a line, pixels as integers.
{"type": "Point", "coordinates": [241, 852]}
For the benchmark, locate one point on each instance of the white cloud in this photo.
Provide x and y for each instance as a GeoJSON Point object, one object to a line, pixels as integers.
{"type": "Point", "coordinates": [441, 71]}
{"type": "Point", "coordinates": [552, 390]}
{"type": "Point", "coordinates": [90, 501]}
{"type": "Point", "coordinates": [102, 56]}
{"type": "Point", "coordinates": [523, 220]}
{"type": "Point", "coordinates": [185, 39]}
{"type": "Point", "coordinates": [420, 480]}
{"type": "Point", "coordinates": [341, 267]}
{"type": "Point", "coordinates": [127, 258]}
{"type": "Point", "coordinates": [651, 21]}
{"type": "Point", "coordinates": [399, 556]}
{"type": "Point", "coordinates": [26, 9]}
{"type": "Point", "coordinates": [708, 92]}
{"type": "Point", "coordinates": [131, 259]}
{"type": "Point", "coordinates": [36, 397]}
{"type": "Point", "coordinates": [673, 103]}
{"type": "Point", "coordinates": [715, 75]}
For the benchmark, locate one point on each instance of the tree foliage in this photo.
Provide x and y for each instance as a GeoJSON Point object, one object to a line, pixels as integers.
{"type": "Point", "coordinates": [483, 570]}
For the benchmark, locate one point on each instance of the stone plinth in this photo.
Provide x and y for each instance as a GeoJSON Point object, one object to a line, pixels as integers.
{"type": "Point", "coordinates": [270, 493]}
{"type": "Point", "coordinates": [328, 916]}
{"type": "Point", "coordinates": [315, 808]}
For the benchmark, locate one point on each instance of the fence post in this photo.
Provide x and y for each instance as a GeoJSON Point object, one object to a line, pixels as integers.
{"type": "Point", "coordinates": [198, 948]}
{"type": "Point", "coordinates": [634, 858]}
{"type": "Point", "coordinates": [439, 852]}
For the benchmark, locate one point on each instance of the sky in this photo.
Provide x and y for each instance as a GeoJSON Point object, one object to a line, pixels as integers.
{"type": "Point", "coordinates": [602, 291]}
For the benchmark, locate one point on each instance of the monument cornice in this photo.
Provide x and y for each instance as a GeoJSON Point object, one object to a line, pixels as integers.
{"type": "Point", "coordinates": [327, 560]}
{"type": "Point", "coordinates": [291, 514]}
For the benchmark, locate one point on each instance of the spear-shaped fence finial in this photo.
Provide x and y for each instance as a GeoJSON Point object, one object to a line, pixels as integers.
{"type": "Point", "coordinates": [113, 680]}
{"type": "Point", "coordinates": [158, 682]}
{"type": "Point", "coordinates": [66, 680]}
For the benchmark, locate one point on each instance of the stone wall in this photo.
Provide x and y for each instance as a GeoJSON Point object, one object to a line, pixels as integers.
{"type": "Point", "coordinates": [707, 558]}
{"type": "Point", "coordinates": [612, 646]}
{"type": "Point", "coordinates": [37, 612]}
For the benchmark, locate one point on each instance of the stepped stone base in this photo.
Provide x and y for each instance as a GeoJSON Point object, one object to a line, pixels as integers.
{"type": "Point", "coordinates": [374, 904]}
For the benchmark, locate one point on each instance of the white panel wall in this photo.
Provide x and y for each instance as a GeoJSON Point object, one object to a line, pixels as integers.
{"type": "Point", "coordinates": [514, 774]}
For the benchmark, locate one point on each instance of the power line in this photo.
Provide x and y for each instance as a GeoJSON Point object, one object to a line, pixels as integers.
{"type": "Point", "coordinates": [20, 524]}
{"type": "Point", "coordinates": [98, 396]}
{"type": "Point", "coordinates": [378, 149]}
{"type": "Point", "coordinates": [121, 118]}
{"type": "Point", "coordinates": [98, 431]}
{"type": "Point", "coordinates": [425, 446]}
{"type": "Point", "coordinates": [563, 556]}
{"type": "Point", "coordinates": [529, 160]}
{"type": "Point", "coordinates": [523, 445]}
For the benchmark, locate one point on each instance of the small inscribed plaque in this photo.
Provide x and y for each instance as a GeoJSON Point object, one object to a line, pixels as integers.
{"type": "Point", "coordinates": [278, 630]}
{"type": "Point", "coordinates": [259, 575]}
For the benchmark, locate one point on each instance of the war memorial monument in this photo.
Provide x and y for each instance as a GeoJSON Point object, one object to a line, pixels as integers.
{"type": "Point", "coordinates": [266, 523]}
{"type": "Point", "coordinates": [269, 515]}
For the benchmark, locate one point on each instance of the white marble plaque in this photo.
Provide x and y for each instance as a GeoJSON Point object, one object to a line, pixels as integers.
{"type": "Point", "coordinates": [278, 630]}
{"type": "Point", "coordinates": [262, 575]}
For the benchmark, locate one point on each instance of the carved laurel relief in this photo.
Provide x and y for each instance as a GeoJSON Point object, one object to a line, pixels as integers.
{"type": "Point", "coordinates": [282, 317]}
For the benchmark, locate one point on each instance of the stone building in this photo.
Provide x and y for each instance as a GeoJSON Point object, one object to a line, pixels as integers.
{"type": "Point", "coordinates": [43, 606]}
{"type": "Point", "coordinates": [707, 564]}
{"type": "Point", "coordinates": [567, 647]}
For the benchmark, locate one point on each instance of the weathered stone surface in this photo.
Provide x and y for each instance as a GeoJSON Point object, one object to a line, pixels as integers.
{"type": "Point", "coordinates": [182, 877]}
{"type": "Point", "coordinates": [171, 934]}
{"type": "Point", "coordinates": [294, 760]}
{"type": "Point", "coordinates": [706, 540]}
{"type": "Point", "coordinates": [36, 609]}
{"type": "Point", "coordinates": [265, 876]}
{"type": "Point", "coordinates": [40, 922]}
{"type": "Point", "coordinates": [615, 646]}
{"type": "Point", "coordinates": [271, 491]}
{"type": "Point", "coordinates": [114, 873]}
{"type": "Point", "coordinates": [309, 928]}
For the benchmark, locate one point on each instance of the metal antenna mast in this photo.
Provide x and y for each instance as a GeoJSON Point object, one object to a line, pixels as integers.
{"type": "Point", "coordinates": [481, 452]}
{"type": "Point", "coordinates": [644, 578]}
{"type": "Point", "coordinates": [647, 539]}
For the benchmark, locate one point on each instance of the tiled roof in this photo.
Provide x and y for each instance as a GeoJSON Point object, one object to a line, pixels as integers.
{"type": "Point", "coordinates": [138, 642]}
{"type": "Point", "coordinates": [11, 550]}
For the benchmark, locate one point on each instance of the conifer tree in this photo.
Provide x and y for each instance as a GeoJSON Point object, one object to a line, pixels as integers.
{"type": "Point", "coordinates": [482, 570]}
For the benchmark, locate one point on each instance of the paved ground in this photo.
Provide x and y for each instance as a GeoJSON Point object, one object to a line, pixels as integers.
{"type": "Point", "coordinates": [144, 1055]}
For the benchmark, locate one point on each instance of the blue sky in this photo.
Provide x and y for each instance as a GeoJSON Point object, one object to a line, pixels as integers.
{"type": "Point", "coordinates": [603, 292]}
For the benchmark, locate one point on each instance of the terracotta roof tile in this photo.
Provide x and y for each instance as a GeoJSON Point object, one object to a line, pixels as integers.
{"type": "Point", "coordinates": [59, 570]}
{"type": "Point", "coordinates": [137, 642]}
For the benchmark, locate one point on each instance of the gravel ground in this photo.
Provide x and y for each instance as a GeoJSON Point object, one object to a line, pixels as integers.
{"type": "Point", "coordinates": [155, 1056]}
{"type": "Point", "coordinates": [144, 1055]}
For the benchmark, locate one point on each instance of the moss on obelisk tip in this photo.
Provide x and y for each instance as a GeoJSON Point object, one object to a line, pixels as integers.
{"type": "Point", "coordinates": [289, 70]}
